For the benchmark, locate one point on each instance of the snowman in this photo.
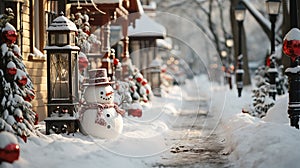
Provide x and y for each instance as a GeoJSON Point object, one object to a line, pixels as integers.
{"type": "Point", "coordinates": [99, 116]}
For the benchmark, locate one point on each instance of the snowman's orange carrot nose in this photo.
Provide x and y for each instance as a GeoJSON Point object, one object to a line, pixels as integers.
{"type": "Point", "coordinates": [109, 93]}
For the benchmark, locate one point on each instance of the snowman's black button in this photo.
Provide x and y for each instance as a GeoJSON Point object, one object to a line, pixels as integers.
{"type": "Point", "coordinates": [108, 126]}
{"type": "Point", "coordinates": [107, 115]}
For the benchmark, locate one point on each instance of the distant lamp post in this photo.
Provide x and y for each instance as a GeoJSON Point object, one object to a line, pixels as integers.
{"type": "Point", "coordinates": [62, 76]}
{"type": "Point", "coordinates": [155, 79]}
{"type": "Point", "coordinates": [229, 44]}
{"type": "Point", "coordinates": [273, 8]}
{"type": "Point", "coordinates": [224, 53]}
{"type": "Point", "coordinates": [229, 41]}
{"type": "Point", "coordinates": [239, 13]}
{"type": "Point", "coordinates": [291, 47]}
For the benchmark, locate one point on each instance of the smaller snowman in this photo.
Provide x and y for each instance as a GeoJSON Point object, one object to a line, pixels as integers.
{"type": "Point", "coordinates": [99, 116]}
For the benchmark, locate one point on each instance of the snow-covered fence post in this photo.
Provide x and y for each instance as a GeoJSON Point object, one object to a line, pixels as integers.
{"type": "Point", "coordinates": [291, 47]}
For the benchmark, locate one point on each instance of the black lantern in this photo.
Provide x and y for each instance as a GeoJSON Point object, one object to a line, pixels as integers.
{"type": "Point", "coordinates": [62, 75]}
{"type": "Point", "coordinates": [273, 7]}
{"type": "Point", "coordinates": [239, 13]}
{"type": "Point", "coordinates": [155, 79]}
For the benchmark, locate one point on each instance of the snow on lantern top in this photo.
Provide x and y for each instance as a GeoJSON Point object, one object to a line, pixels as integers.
{"type": "Point", "coordinates": [62, 23]}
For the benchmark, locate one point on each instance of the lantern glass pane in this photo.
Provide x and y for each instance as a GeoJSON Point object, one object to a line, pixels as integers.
{"type": "Point", "coordinates": [52, 39]}
{"type": "Point", "coordinates": [273, 7]}
{"type": "Point", "coordinates": [59, 76]}
{"type": "Point", "coordinates": [229, 42]}
{"type": "Point", "coordinates": [239, 15]}
{"type": "Point", "coordinates": [72, 38]}
{"type": "Point", "coordinates": [63, 39]}
{"type": "Point", "coordinates": [74, 69]}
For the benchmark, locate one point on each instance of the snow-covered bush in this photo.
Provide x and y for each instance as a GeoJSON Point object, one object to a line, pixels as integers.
{"type": "Point", "coordinates": [261, 101]}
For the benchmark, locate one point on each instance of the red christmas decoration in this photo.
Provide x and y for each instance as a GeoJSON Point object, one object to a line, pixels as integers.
{"type": "Point", "coordinates": [9, 34]}
{"type": "Point", "coordinates": [135, 112]}
{"type": "Point", "coordinates": [11, 68]}
{"type": "Point", "coordinates": [24, 137]}
{"type": "Point", "coordinates": [139, 79]}
{"type": "Point", "coordinates": [11, 71]}
{"type": "Point", "coordinates": [116, 61]}
{"type": "Point", "coordinates": [291, 44]}
{"type": "Point", "coordinates": [83, 63]}
{"type": "Point", "coordinates": [22, 81]}
{"type": "Point", "coordinates": [10, 153]}
{"type": "Point", "coordinates": [36, 119]}
{"type": "Point", "coordinates": [19, 118]}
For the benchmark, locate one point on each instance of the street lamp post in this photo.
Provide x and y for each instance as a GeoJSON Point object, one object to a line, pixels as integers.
{"type": "Point", "coordinates": [239, 13]}
{"type": "Point", "coordinates": [273, 7]}
{"type": "Point", "coordinates": [291, 47]}
{"type": "Point", "coordinates": [229, 44]}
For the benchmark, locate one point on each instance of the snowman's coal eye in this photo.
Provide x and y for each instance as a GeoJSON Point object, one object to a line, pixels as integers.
{"type": "Point", "coordinates": [101, 93]}
{"type": "Point", "coordinates": [107, 115]}
{"type": "Point", "coordinates": [108, 126]}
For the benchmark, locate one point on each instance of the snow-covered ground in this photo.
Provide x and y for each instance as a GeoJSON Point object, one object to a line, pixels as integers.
{"type": "Point", "coordinates": [250, 142]}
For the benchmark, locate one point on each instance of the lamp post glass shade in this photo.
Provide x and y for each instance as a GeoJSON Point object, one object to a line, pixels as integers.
{"type": "Point", "coordinates": [239, 12]}
{"type": "Point", "coordinates": [229, 42]}
{"type": "Point", "coordinates": [273, 6]}
{"type": "Point", "coordinates": [224, 53]}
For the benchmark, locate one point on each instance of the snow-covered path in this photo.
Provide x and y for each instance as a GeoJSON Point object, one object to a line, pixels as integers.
{"type": "Point", "coordinates": [194, 141]}
{"type": "Point", "coordinates": [176, 130]}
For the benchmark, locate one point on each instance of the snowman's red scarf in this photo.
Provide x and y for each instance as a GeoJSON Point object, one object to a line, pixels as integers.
{"type": "Point", "coordinates": [100, 107]}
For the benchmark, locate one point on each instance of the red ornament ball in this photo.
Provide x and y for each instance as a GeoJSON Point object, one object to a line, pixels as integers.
{"type": "Point", "coordinates": [9, 34]}
{"type": "Point", "coordinates": [291, 48]}
{"type": "Point", "coordinates": [83, 63]}
{"type": "Point", "coordinates": [9, 148]}
{"type": "Point", "coordinates": [116, 61]}
{"type": "Point", "coordinates": [22, 81]}
{"type": "Point", "coordinates": [291, 44]}
{"type": "Point", "coordinates": [139, 79]}
{"type": "Point", "coordinates": [19, 119]}
{"type": "Point", "coordinates": [11, 68]}
{"type": "Point", "coordinates": [11, 71]}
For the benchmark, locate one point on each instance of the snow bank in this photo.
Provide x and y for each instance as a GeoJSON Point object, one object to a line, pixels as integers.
{"type": "Point", "coordinates": [254, 142]}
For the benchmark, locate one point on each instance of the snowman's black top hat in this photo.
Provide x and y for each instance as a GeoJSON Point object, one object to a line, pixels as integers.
{"type": "Point", "coordinates": [98, 77]}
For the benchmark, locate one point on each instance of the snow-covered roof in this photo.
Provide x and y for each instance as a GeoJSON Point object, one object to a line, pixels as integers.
{"type": "Point", "coordinates": [62, 23]}
{"type": "Point", "coordinates": [163, 43]}
{"type": "Point", "coordinates": [146, 27]}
